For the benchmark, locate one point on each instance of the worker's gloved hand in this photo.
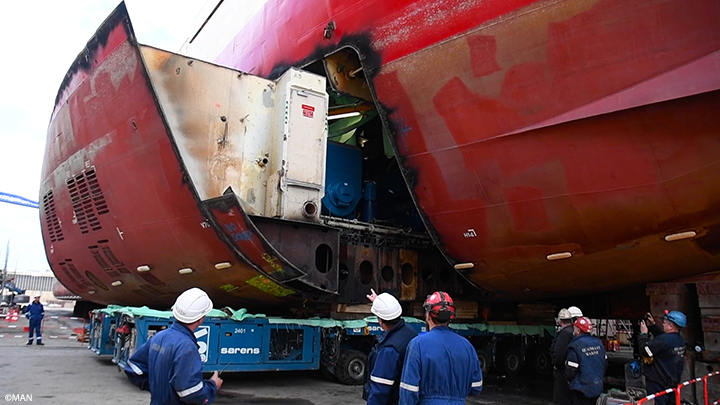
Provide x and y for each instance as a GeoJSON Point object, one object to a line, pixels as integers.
{"type": "Point", "coordinates": [27, 315]}
{"type": "Point", "coordinates": [218, 381]}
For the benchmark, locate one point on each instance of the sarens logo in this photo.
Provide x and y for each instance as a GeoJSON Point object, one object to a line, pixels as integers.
{"type": "Point", "coordinates": [240, 350]}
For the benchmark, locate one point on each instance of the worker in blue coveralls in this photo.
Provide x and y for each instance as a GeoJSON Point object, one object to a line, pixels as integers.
{"type": "Point", "coordinates": [35, 312]}
{"type": "Point", "coordinates": [169, 365]}
{"type": "Point", "coordinates": [664, 355]}
{"type": "Point", "coordinates": [387, 356]}
{"type": "Point", "coordinates": [441, 367]}
{"type": "Point", "coordinates": [585, 364]}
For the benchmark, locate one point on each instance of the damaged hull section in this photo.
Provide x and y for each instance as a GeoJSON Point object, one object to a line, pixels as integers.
{"type": "Point", "coordinates": [541, 147]}
{"type": "Point", "coordinates": [142, 158]}
{"type": "Point", "coordinates": [552, 145]}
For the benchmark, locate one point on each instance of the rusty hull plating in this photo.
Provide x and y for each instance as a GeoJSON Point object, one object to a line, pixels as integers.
{"type": "Point", "coordinates": [552, 144]}
{"type": "Point", "coordinates": [140, 229]}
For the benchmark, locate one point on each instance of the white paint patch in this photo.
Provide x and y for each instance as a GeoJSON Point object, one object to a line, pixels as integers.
{"type": "Point", "coordinates": [77, 162]}
{"type": "Point", "coordinates": [119, 64]}
{"type": "Point", "coordinates": [431, 15]}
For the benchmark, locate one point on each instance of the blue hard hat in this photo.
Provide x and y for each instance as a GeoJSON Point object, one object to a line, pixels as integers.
{"type": "Point", "coordinates": [676, 317]}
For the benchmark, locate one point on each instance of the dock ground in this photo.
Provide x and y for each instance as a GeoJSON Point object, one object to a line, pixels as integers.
{"type": "Point", "coordinates": [64, 371]}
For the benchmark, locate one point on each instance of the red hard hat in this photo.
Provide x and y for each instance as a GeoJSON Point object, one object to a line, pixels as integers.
{"type": "Point", "coordinates": [583, 324]}
{"type": "Point", "coordinates": [440, 305]}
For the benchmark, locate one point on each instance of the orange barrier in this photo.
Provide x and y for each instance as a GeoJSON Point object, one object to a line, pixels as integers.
{"type": "Point", "coordinates": [705, 388]}
{"type": "Point", "coordinates": [27, 328]}
{"type": "Point", "coordinates": [677, 391]}
{"type": "Point", "coordinates": [82, 335]}
{"type": "Point", "coordinates": [13, 315]}
{"type": "Point", "coordinates": [687, 383]}
{"type": "Point", "coordinates": [653, 396]}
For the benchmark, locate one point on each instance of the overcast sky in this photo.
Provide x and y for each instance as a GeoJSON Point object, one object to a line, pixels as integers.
{"type": "Point", "coordinates": [38, 42]}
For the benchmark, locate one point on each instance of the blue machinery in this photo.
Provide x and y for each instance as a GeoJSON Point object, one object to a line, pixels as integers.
{"type": "Point", "coordinates": [225, 344]}
{"type": "Point", "coordinates": [271, 344]}
{"type": "Point", "coordinates": [343, 180]}
{"type": "Point", "coordinates": [102, 333]}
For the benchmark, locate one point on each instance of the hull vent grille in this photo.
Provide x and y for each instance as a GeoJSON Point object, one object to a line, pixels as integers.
{"type": "Point", "coordinates": [96, 281]}
{"type": "Point", "coordinates": [107, 260]}
{"type": "Point", "coordinates": [72, 273]}
{"type": "Point", "coordinates": [119, 266]}
{"type": "Point", "coordinates": [87, 200]}
{"type": "Point", "coordinates": [152, 280]}
{"type": "Point", "coordinates": [145, 294]}
{"type": "Point", "coordinates": [51, 220]}
{"type": "Point", "coordinates": [103, 264]}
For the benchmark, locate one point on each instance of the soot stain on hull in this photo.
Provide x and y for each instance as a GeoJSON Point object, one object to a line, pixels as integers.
{"type": "Point", "coordinates": [83, 62]}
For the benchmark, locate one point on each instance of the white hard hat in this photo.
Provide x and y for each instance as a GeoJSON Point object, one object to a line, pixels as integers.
{"type": "Point", "coordinates": [575, 312]}
{"type": "Point", "coordinates": [564, 314]}
{"type": "Point", "coordinates": [191, 305]}
{"type": "Point", "coordinates": [386, 307]}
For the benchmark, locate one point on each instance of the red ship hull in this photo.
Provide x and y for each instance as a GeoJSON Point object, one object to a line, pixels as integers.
{"type": "Point", "coordinates": [527, 130]}
{"type": "Point", "coordinates": [112, 171]}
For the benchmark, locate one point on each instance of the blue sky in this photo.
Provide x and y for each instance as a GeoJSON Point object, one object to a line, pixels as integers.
{"type": "Point", "coordinates": [38, 41]}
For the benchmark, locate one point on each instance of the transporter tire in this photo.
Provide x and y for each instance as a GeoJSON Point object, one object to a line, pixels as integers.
{"type": "Point", "coordinates": [351, 367]}
{"type": "Point", "coordinates": [485, 361]}
{"type": "Point", "coordinates": [541, 361]}
{"type": "Point", "coordinates": [509, 362]}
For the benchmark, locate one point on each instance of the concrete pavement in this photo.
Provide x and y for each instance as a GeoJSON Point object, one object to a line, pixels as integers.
{"type": "Point", "coordinates": [64, 371]}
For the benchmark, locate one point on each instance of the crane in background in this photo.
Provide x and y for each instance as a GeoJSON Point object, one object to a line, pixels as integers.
{"type": "Point", "coordinates": [22, 201]}
{"type": "Point", "coordinates": [17, 200]}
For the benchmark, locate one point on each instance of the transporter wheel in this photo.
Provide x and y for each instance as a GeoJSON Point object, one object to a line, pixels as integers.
{"type": "Point", "coordinates": [509, 362]}
{"type": "Point", "coordinates": [351, 367]}
{"type": "Point", "coordinates": [484, 361]}
{"type": "Point", "coordinates": [541, 361]}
